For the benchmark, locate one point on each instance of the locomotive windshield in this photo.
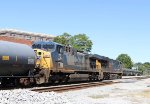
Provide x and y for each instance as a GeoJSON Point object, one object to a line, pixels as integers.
{"type": "Point", "coordinates": [46, 46]}
{"type": "Point", "coordinates": [36, 46]}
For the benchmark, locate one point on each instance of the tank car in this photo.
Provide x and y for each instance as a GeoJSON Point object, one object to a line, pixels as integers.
{"type": "Point", "coordinates": [16, 60]}
{"type": "Point", "coordinates": [131, 72]}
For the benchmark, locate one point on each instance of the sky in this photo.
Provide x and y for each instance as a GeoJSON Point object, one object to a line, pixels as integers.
{"type": "Point", "coordinates": [114, 26]}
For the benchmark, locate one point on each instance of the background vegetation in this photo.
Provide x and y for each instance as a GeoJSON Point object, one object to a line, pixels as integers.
{"type": "Point", "coordinates": [81, 42]}
{"type": "Point", "coordinates": [128, 64]}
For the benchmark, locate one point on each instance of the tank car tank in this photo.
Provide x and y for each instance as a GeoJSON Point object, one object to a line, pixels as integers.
{"type": "Point", "coordinates": [16, 59]}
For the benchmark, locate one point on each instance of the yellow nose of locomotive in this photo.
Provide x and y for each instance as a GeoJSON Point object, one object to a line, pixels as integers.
{"type": "Point", "coordinates": [44, 60]}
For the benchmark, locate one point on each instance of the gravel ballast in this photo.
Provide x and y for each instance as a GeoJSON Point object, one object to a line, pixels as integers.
{"type": "Point", "coordinates": [29, 97]}
{"type": "Point", "coordinates": [129, 91]}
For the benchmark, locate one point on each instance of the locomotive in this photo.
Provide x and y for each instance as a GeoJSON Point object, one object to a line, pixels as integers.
{"type": "Point", "coordinates": [50, 62]}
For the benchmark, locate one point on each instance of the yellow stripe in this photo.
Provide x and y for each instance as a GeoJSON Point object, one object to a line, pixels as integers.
{"type": "Point", "coordinates": [6, 58]}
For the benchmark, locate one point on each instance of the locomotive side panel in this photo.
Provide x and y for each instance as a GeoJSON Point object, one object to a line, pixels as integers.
{"type": "Point", "coordinates": [75, 61]}
{"type": "Point", "coordinates": [116, 66]}
{"type": "Point", "coordinates": [115, 69]}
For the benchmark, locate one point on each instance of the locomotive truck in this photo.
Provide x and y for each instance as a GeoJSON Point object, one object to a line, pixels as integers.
{"type": "Point", "coordinates": [50, 62]}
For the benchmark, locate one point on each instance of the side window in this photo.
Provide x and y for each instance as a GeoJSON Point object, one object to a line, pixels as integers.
{"type": "Point", "coordinates": [66, 49]}
{"type": "Point", "coordinates": [59, 49]}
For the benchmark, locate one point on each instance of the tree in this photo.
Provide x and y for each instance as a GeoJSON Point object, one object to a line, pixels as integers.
{"type": "Point", "coordinates": [126, 60]}
{"type": "Point", "coordinates": [145, 67]}
{"type": "Point", "coordinates": [63, 39]}
{"type": "Point", "coordinates": [81, 42]}
{"type": "Point", "coordinates": [139, 66]}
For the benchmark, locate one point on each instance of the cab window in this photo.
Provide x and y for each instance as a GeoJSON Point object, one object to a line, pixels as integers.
{"type": "Point", "coordinates": [59, 49]}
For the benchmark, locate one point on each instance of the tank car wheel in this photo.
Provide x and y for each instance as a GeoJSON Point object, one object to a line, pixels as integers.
{"type": "Point", "coordinates": [3, 82]}
{"type": "Point", "coordinates": [25, 82]}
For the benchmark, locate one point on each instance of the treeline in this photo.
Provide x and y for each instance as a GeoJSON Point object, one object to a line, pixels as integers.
{"type": "Point", "coordinates": [128, 63]}
{"type": "Point", "coordinates": [142, 66]}
{"type": "Point", "coordinates": [81, 42]}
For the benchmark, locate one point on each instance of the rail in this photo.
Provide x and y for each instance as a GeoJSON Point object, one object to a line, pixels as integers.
{"type": "Point", "coordinates": [62, 88]}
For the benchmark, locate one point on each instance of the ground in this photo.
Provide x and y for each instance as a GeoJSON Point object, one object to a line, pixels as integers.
{"type": "Point", "coordinates": [129, 91]}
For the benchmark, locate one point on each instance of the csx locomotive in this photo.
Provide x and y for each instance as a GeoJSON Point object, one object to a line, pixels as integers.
{"type": "Point", "coordinates": [50, 62]}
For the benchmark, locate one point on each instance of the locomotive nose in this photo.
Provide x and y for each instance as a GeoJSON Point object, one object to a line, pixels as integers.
{"type": "Point", "coordinates": [43, 59]}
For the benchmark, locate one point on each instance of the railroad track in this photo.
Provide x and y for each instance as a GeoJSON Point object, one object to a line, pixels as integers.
{"type": "Point", "coordinates": [62, 88]}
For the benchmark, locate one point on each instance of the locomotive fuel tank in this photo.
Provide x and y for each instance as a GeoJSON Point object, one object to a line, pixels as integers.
{"type": "Point", "coordinates": [16, 59]}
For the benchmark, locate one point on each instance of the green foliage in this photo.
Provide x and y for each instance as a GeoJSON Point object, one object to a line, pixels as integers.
{"type": "Point", "coordinates": [126, 60]}
{"type": "Point", "coordinates": [139, 66]}
{"type": "Point", "coordinates": [63, 39]}
{"type": "Point", "coordinates": [145, 67]}
{"type": "Point", "coordinates": [80, 42]}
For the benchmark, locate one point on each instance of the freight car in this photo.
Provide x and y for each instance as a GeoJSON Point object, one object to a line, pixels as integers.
{"type": "Point", "coordinates": [50, 62]}
{"type": "Point", "coordinates": [131, 72]}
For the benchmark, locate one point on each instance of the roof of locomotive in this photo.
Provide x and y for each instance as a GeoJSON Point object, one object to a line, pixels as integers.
{"type": "Point", "coordinates": [98, 57]}
{"type": "Point", "coordinates": [103, 58]}
{"type": "Point", "coordinates": [112, 60]}
{"type": "Point", "coordinates": [47, 42]}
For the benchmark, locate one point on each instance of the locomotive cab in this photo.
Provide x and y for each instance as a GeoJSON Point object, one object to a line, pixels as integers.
{"type": "Point", "coordinates": [49, 60]}
{"type": "Point", "coordinates": [43, 65]}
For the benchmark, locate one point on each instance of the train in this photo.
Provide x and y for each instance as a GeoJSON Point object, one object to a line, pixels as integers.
{"type": "Point", "coordinates": [131, 72]}
{"type": "Point", "coordinates": [51, 62]}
